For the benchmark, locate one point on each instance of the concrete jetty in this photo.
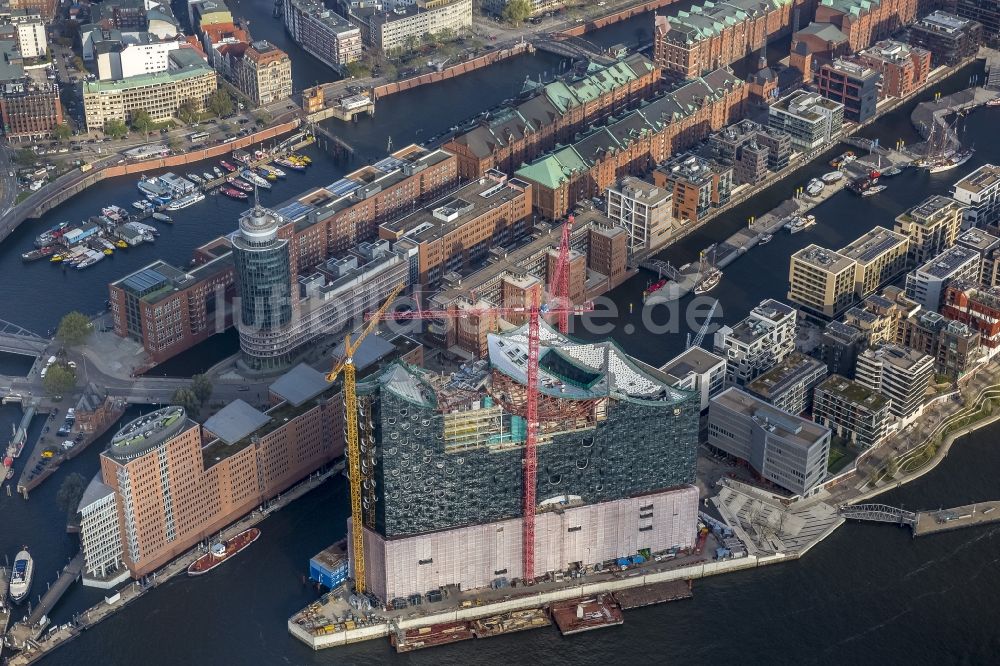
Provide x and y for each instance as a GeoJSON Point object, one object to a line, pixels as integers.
{"type": "Point", "coordinates": [944, 520]}
{"type": "Point", "coordinates": [32, 628]}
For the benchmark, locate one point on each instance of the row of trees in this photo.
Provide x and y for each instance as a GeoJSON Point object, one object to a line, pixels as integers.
{"type": "Point", "coordinates": [219, 103]}
{"type": "Point", "coordinates": [193, 398]}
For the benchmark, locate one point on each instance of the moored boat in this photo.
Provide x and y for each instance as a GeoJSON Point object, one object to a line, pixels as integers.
{"type": "Point", "coordinates": [289, 164]}
{"type": "Point", "coordinates": [764, 239]}
{"type": "Point", "coordinates": [814, 187]}
{"type": "Point", "coordinates": [709, 282]}
{"type": "Point", "coordinates": [227, 166]}
{"type": "Point", "coordinates": [222, 552]}
{"type": "Point", "coordinates": [872, 191]}
{"type": "Point", "coordinates": [241, 184]}
{"type": "Point", "coordinates": [39, 253]}
{"type": "Point", "coordinates": [195, 178]}
{"type": "Point", "coordinates": [233, 193]}
{"type": "Point", "coordinates": [653, 288]}
{"type": "Point", "coordinates": [187, 200]}
{"type": "Point", "coordinates": [832, 177]}
{"type": "Point", "coordinates": [264, 173]}
{"type": "Point", "coordinates": [20, 576]}
{"type": "Point", "coordinates": [217, 171]}
{"type": "Point", "coordinates": [163, 217]}
{"type": "Point", "coordinates": [51, 235]}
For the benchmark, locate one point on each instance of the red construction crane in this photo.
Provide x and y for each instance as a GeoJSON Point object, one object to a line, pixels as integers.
{"type": "Point", "coordinates": [530, 462]}
{"type": "Point", "coordinates": [560, 281]}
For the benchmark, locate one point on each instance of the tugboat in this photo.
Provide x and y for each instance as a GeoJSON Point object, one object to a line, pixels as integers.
{"type": "Point", "coordinates": [20, 576]}
{"type": "Point", "coordinates": [221, 552]}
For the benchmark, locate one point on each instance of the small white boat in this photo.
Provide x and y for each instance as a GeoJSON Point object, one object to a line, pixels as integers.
{"type": "Point", "coordinates": [710, 282]}
{"type": "Point", "coordinates": [764, 239]}
{"type": "Point", "coordinates": [872, 191]}
{"type": "Point", "coordinates": [186, 200]}
{"type": "Point", "coordinates": [814, 187]}
{"type": "Point", "coordinates": [832, 177]}
{"type": "Point", "coordinates": [195, 178]}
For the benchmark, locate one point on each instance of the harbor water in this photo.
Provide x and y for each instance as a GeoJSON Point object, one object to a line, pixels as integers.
{"type": "Point", "coordinates": [866, 595]}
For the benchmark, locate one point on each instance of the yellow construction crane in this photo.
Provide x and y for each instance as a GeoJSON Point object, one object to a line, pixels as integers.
{"type": "Point", "coordinates": [346, 365]}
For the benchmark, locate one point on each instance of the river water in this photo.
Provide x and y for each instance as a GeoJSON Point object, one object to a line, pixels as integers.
{"type": "Point", "coordinates": [868, 594]}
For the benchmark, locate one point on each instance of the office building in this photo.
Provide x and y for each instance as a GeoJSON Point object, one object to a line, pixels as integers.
{"type": "Point", "coordinates": [852, 84]}
{"type": "Point", "coordinates": [758, 343]}
{"type": "Point", "coordinates": [644, 210]}
{"type": "Point", "coordinates": [322, 33]}
{"type": "Point", "coordinates": [979, 193]}
{"type": "Point", "coordinates": [810, 120]}
{"type": "Point", "coordinates": [133, 54]}
{"type": "Point", "coordinates": [458, 230]}
{"type": "Point", "coordinates": [203, 13]}
{"type": "Point", "coordinates": [821, 281]}
{"type": "Point", "coordinates": [31, 41]}
{"type": "Point", "coordinates": [100, 536]}
{"type": "Point", "coordinates": [984, 12]}
{"type": "Point", "coordinates": [30, 110]}
{"type": "Point", "coordinates": [717, 34]}
{"type": "Point", "coordinates": [931, 227]}
{"type": "Point", "coordinates": [789, 385]}
{"type": "Point", "coordinates": [395, 30]}
{"type": "Point", "coordinates": [840, 346]}
{"type": "Point", "coordinates": [786, 450]}
{"type": "Point", "coordinates": [161, 94]}
{"type": "Point", "coordinates": [751, 149]}
{"type": "Point", "coordinates": [855, 413]}
{"type": "Point", "coordinates": [878, 316]}
{"type": "Point", "coordinates": [264, 73]}
{"type": "Point", "coordinates": [950, 39]}
{"type": "Point", "coordinates": [168, 309]}
{"type": "Point", "coordinates": [696, 184]}
{"type": "Point", "coordinates": [899, 373]}
{"type": "Point", "coordinates": [904, 68]}
{"type": "Point", "coordinates": [463, 437]}
{"type": "Point", "coordinates": [864, 22]}
{"type": "Point", "coordinates": [554, 114]}
{"type": "Point", "coordinates": [699, 370]}
{"type": "Point", "coordinates": [926, 284]}
{"type": "Point", "coordinates": [176, 483]}
{"type": "Point", "coordinates": [977, 307]}
{"type": "Point", "coordinates": [954, 346]}
{"type": "Point", "coordinates": [264, 274]}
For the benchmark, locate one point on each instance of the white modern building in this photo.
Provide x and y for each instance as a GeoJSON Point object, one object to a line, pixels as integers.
{"type": "Point", "coordinates": [898, 373]}
{"type": "Point", "coordinates": [134, 57]}
{"type": "Point", "coordinates": [980, 192]}
{"type": "Point", "coordinates": [758, 343]}
{"type": "Point", "coordinates": [642, 209]}
{"type": "Point", "coordinates": [926, 284]}
{"type": "Point", "coordinates": [699, 370]}
{"type": "Point", "coordinates": [100, 536]}
{"type": "Point", "coordinates": [31, 39]}
{"type": "Point", "coordinates": [810, 119]}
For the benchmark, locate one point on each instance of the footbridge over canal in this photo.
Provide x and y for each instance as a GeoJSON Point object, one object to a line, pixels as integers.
{"type": "Point", "coordinates": [878, 513]}
{"type": "Point", "coordinates": [15, 339]}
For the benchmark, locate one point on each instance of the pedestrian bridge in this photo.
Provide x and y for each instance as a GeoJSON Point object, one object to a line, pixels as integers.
{"type": "Point", "coordinates": [878, 513]}
{"type": "Point", "coordinates": [15, 339]}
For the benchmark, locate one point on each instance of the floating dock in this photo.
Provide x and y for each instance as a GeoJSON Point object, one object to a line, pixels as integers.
{"type": "Point", "coordinates": [657, 593]}
{"type": "Point", "coordinates": [508, 623]}
{"type": "Point", "coordinates": [579, 615]}
{"type": "Point", "coordinates": [432, 636]}
{"type": "Point", "coordinates": [945, 520]}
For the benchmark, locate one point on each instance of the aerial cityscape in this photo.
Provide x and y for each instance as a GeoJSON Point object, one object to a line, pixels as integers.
{"type": "Point", "coordinates": [335, 330]}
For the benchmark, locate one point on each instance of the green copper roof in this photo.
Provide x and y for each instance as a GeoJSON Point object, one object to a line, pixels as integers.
{"type": "Point", "coordinates": [553, 169]}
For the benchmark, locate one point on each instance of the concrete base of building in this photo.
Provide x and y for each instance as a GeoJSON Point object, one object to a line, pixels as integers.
{"type": "Point", "coordinates": [111, 581]}
{"type": "Point", "coordinates": [566, 537]}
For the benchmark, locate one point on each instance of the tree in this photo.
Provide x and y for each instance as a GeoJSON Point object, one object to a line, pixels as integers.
{"type": "Point", "coordinates": [220, 103]}
{"type": "Point", "coordinates": [186, 398]}
{"type": "Point", "coordinates": [74, 329]}
{"type": "Point", "coordinates": [187, 112]}
{"type": "Point", "coordinates": [70, 493]}
{"type": "Point", "coordinates": [115, 128]}
{"type": "Point", "coordinates": [25, 156]}
{"type": "Point", "coordinates": [358, 69]}
{"type": "Point", "coordinates": [517, 11]}
{"type": "Point", "coordinates": [262, 118]}
{"type": "Point", "coordinates": [201, 385]}
{"type": "Point", "coordinates": [410, 43]}
{"type": "Point", "coordinates": [59, 379]}
{"type": "Point", "coordinates": [62, 132]}
{"type": "Point", "coordinates": [142, 122]}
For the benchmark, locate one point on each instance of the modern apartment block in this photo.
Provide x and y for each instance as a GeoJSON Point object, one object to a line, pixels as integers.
{"type": "Point", "coordinates": [899, 373]}
{"type": "Point", "coordinates": [264, 73]}
{"type": "Point", "coordinates": [879, 256]}
{"type": "Point", "coordinates": [751, 149]}
{"type": "Point", "coordinates": [864, 22]}
{"type": "Point", "coordinates": [31, 41]}
{"type": "Point", "coordinates": [841, 343]}
{"type": "Point", "coordinates": [423, 430]}
{"type": "Point", "coordinates": [176, 483]}
{"type": "Point", "coordinates": [322, 33]}
{"type": "Point", "coordinates": [458, 230]}
{"type": "Point", "coordinates": [811, 120]}
{"type": "Point", "coordinates": [977, 307]}
{"type": "Point", "coordinates": [168, 309]}
{"type": "Point", "coordinates": [717, 34]}
{"type": "Point", "coordinates": [697, 185]}
{"type": "Point", "coordinates": [786, 450]}
{"type": "Point", "coordinates": [931, 227]}
{"type": "Point", "coordinates": [853, 84]}
{"type": "Point", "coordinates": [100, 536]}
{"type": "Point", "coordinates": [926, 284]}
{"type": "Point", "coordinates": [789, 385]}
{"type": "Point", "coordinates": [979, 193]}
{"type": "Point", "coordinates": [852, 411]}
{"type": "Point", "coordinates": [758, 343]}
{"type": "Point", "coordinates": [699, 370]}
{"type": "Point", "coordinates": [954, 346]}
{"type": "Point", "coordinates": [396, 29]}
{"type": "Point", "coordinates": [644, 210]}
{"type": "Point", "coordinates": [984, 12]}
{"type": "Point", "coordinates": [821, 281]}
{"type": "Point", "coordinates": [987, 246]}
{"type": "Point", "coordinates": [553, 115]}
{"type": "Point", "coordinates": [161, 94]}
{"type": "Point", "coordinates": [949, 38]}
{"type": "Point", "coordinates": [879, 316]}
{"type": "Point", "coordinates": [29, 110]}
{"type": "Point", "coordinates": [903, 67]}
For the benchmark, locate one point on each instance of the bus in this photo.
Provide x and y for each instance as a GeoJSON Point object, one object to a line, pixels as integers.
{"type": "Point", "coordinates": [197, 136]}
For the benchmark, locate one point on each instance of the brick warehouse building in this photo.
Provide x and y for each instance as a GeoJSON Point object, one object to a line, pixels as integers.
{"type": "Point", "coordinates": [864, 22]}
{"type": "Point", "coordinates": [30, 110]}
{"type": "Point", "coordinates": [635, 143]}
{"type": "Point", "coordinates": [717, 34]}
{"type": "Point", "coordinates": [513, 135]}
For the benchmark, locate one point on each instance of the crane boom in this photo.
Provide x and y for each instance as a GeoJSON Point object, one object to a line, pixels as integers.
{"type": "Point", "coordinates": [560, 283]}
{"type": "Point", "coordinates": [530, 462]}
{"type": "Point", "coordinates": [346, 365]}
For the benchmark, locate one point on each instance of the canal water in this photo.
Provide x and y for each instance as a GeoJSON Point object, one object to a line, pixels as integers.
{"type": "Point", "coordinates": [868, 594]}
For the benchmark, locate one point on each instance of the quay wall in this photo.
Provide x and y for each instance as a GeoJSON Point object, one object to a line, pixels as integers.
{"type": "Point", "coordinates": [538, 600]}
{"type": "Point", "coordinates": [453, 71]}
{"type": "Point", "coordinates": [614, 17]}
